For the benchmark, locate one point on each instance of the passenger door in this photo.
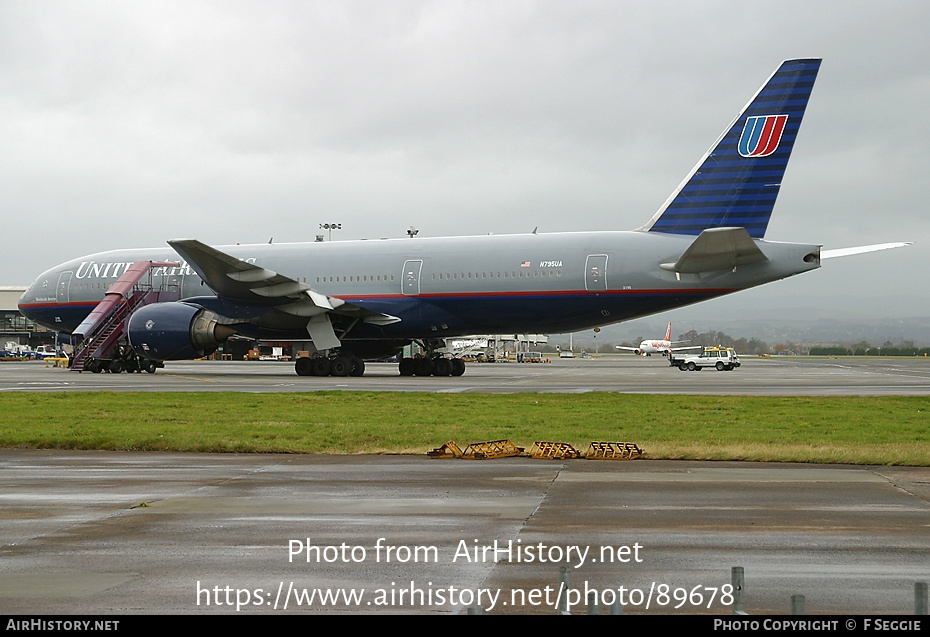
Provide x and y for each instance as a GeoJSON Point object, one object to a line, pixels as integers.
{"type": "Point", "coordinates": [410, 277]}
{"type": "Point", "coordinates": [63, 294]}
{"type": "Point", "coordinates": [595, 273]}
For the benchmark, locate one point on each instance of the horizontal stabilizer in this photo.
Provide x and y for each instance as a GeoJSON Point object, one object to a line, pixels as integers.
{"type": "Point", "coordinates": [845, 252]}
{"type": "Point", "coordinates": [717, 249]}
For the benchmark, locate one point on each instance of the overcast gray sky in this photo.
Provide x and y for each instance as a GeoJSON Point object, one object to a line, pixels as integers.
{"type": "Point", "coordinates": [125, 124]}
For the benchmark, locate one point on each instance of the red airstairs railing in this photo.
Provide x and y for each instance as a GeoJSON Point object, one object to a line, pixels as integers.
{"type": "Point", "coordinates": [97, 339]}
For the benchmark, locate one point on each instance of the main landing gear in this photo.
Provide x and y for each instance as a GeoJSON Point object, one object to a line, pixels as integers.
{"type": "Point", "coordinates": [342, 364]}
{"type": "Point", "coordinates": [431, 362]}
{"type": "Point", "coordinates": [436, 366]}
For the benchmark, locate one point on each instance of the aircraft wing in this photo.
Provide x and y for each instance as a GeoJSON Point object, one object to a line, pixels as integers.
{"type": "Point", "coordinates": [845, 252]}
{"type": "Point", "coordinates": [237, 280]}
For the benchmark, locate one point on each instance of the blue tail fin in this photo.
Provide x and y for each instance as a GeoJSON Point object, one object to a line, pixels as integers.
{"type": "Point", "coordinates": [735, 184]}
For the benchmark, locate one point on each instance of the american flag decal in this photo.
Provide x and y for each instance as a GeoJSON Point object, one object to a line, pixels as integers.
{"type": "Point", "coordinates": [525, 264]}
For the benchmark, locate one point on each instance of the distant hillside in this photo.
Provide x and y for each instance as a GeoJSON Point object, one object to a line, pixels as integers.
{"type": "Point", "coordinates": [915, 330]}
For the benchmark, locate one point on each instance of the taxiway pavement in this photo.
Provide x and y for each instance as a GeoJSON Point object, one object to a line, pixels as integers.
{"type": "Point", "coordinates": [110, 532]}
{"type": "Point", "coordinates": [629, 374]}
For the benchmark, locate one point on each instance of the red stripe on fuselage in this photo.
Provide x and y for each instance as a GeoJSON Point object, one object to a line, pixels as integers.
{"type": "Point", "coordinates": [553, 293]}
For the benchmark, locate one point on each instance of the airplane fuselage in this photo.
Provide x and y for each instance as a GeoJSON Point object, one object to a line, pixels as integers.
{"type": "Point", "coordinates": [439, 287]}
{"type": "Point", "coordinates": [654, 347]}
{"type": "Point", "coordinates": [358, 299]}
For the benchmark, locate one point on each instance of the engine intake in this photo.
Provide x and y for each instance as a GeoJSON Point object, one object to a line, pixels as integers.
{"type": "Point", "coordinates": [176, 331]}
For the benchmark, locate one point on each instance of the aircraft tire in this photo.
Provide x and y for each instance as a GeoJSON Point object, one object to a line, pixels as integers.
{"type": "Point", "coordinates": [405, 367]}
{"type": "Point", "coordinates": [422, 367]}
{"type": "Point", "coordinates": [148, 366]}
{"type": "Point", "coordinates": [115, 366]}
{"type": "Point", "coordinates": [341, 366]}
{"type": "Point", "coordinates": [320, 366]}
{"type": "Point", "coordinates": [442, 367]}
{"type": "Point", "coordinates": [358, 367]}
{"type": "Point", "coordinates": [458, 367]}
{"type": "Point", "coordinates": [304, 367]}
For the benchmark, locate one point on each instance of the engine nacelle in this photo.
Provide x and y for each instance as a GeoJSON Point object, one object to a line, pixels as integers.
{"type": "Point", "coordinates": [175, 331]}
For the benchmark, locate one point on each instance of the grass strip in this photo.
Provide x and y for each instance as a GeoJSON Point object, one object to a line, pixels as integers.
{"type": "Point", "coordinates": [856, 430]}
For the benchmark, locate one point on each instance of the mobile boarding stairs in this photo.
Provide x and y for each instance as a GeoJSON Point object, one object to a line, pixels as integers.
{"type": "Point", "coordinates": [100, 343]}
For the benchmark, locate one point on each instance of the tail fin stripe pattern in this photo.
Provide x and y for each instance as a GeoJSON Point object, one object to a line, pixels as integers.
{"type": "Point", "coordinates": [737, 181]}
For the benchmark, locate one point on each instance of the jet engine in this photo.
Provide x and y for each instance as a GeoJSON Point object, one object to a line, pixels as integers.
{"type": "Point", "coordinates": [176, 331]}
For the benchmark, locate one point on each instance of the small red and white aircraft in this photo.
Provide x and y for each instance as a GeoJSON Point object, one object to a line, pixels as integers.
{"type": "Point", "coordinates": [661, 346]}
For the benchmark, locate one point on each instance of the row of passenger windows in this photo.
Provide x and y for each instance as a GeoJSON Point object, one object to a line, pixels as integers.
{"type": "Point", "coordinates": [364, 278]}
{"type": "Point", "coordinates": [379, 278]}
{"type": "Point", "coordinates": [521, 274]}
{"type": "Point", "coordinates": [454, 276]}
{"type": "Point", "coordinates": [102, 284]}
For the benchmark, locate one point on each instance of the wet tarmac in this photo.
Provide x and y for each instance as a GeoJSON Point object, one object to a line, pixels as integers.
{"type": "Point", "coordinates": [126, 533]}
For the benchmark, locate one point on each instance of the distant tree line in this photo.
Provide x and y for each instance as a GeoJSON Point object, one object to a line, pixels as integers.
{"type": "Point", "coordinates": [869, 351]}
{"type": "Point", "coordinates": [755, 346]}
{"type": "Point", "coordinates": [741, 345]}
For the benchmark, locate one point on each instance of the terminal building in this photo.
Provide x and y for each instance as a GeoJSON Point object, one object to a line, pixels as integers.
{"type": "Point", "coordinates": [16, 328]}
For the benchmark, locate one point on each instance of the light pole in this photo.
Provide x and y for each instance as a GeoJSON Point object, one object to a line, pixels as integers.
{"type": "Point", "coordinates": [331, 227]}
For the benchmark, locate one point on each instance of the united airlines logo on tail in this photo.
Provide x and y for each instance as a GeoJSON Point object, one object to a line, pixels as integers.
{"type": "Point", "coordinates": [761, 135]}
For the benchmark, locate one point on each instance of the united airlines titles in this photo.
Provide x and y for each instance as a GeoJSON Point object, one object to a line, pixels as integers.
{"type": "Point", "coordinates": [112, 269]}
